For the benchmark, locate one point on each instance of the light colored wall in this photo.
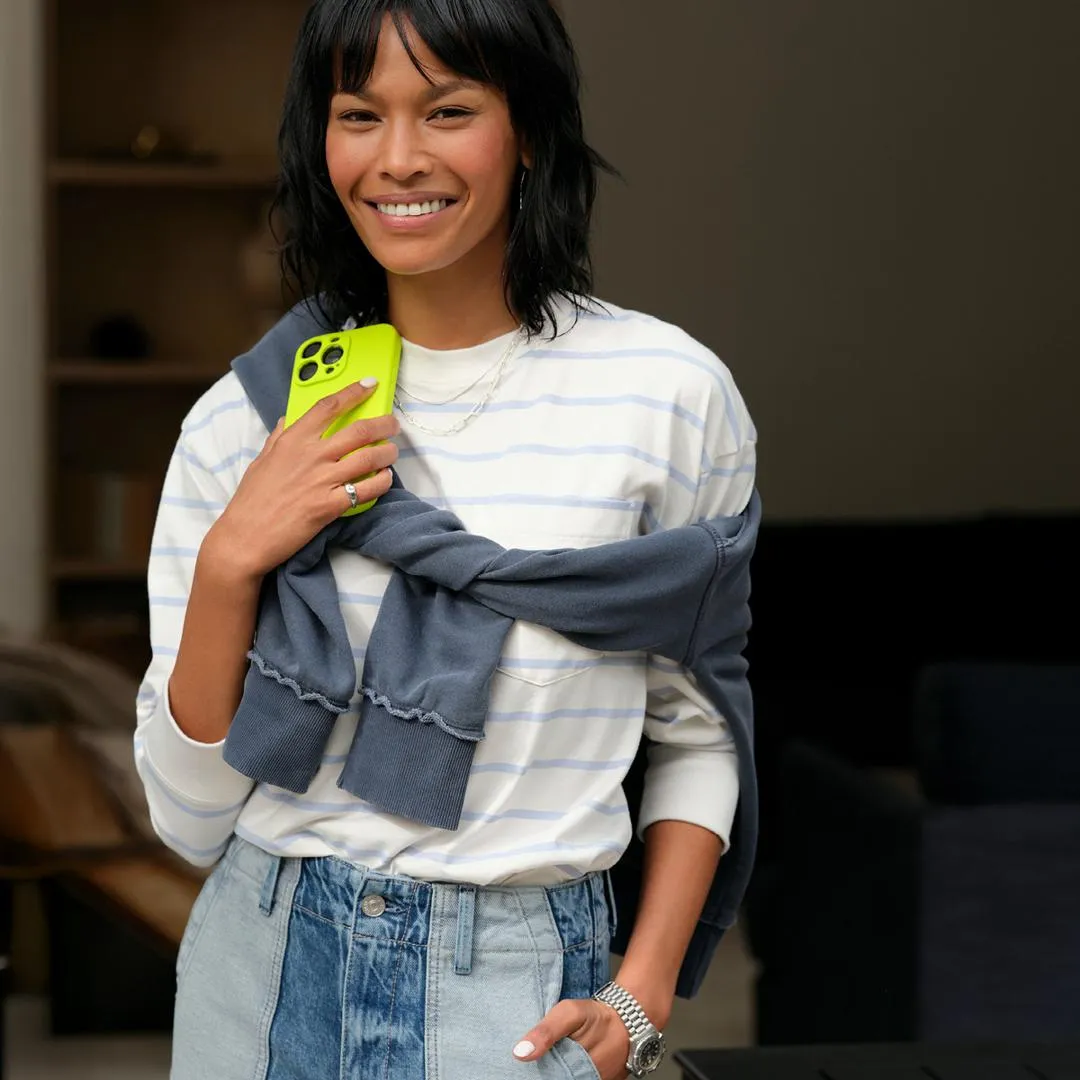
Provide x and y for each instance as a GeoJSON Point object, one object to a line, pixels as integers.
{"type": "Point", "coordinates": [21, 339]}
{"type": "Point", "coordinates": [870, 211]}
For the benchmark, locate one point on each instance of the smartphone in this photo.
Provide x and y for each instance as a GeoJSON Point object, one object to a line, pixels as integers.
{"type": "Point", "coordinates": [330, 362]}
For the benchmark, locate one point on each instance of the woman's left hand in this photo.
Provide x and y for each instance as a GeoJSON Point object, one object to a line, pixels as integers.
{"type": "Point", "coordinates": [597, 1027]}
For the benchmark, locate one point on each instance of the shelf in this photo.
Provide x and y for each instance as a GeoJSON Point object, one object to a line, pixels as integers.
{"type": "Point", "coordinates": [242, 173]}
{"type": "Point", "coordinates": [132, 372]}
{"type": "Point", "coordinates": [97, 570]}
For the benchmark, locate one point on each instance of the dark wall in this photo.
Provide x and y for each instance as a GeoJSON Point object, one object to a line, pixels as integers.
{"type": "Point", "coordinates": [870, 211]}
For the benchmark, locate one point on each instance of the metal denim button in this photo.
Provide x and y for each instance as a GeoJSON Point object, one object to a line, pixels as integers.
{"type": "Point", "coordinates": [373, 906]}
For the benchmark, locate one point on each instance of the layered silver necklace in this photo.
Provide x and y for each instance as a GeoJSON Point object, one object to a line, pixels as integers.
{"type": "Point", "coordinates": [498, 368]}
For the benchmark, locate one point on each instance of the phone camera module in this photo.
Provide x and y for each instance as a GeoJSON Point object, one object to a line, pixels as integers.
{"type": "Point", "coordinates": [308, 372]}
{"type": "Point", "coordinates": [332, 356]}
{"type": "Point", "coordinates": [312, 348]}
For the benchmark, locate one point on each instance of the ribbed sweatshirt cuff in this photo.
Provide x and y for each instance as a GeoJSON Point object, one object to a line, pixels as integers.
{"type": "Point", "coordinates": [275, 737]}
{"type": "Point", "coordinates": [405, 767]}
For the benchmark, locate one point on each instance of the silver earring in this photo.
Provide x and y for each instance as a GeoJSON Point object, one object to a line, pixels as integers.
{"type": "Point", "coordinates": [521, 190]}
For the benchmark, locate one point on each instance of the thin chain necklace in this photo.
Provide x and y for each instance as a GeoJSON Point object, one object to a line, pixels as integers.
{"type": "Point", "coordinates": [402, 388]}
{"type": "Point", "coordinates": [478, 408]}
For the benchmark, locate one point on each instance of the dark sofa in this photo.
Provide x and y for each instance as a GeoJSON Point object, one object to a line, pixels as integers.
{"type": "Point", "coordinates": [883, 658]}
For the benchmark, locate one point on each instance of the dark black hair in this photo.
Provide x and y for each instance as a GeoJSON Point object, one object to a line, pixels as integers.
{"type": "Point", "coordinates": [521, 48]}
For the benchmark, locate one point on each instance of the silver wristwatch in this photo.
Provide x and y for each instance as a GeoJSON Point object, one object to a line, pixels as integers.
{"type": "Point", "coordinates": [647, 1046]}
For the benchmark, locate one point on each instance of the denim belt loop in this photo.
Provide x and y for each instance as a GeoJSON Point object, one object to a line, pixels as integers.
{"type": "Point", "coordinates": [465, 923]}
{"type": "Point", "coordinates": [269, 885]}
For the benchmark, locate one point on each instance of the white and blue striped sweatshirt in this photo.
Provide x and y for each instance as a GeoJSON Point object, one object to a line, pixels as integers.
{"type": "Point", "coordinates": [622, 425]}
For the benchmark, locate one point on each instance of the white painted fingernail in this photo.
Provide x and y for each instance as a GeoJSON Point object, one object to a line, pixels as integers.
{"type": "Point", "coordinates": [524, 1049]}
{"type": "Point", "coordinates": [369, 383]}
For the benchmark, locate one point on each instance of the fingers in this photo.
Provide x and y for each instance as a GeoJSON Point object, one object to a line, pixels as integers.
{"type": "Point", "coordinates": [372, 487]}
{"type": "Point", "coordinates": [319, 417]}
{"type": "Point", "coordinates": [367, 459]}
{"type": "Point", "coordinates": [361, 433]}
{"type": "Point", "coordinates": [566, 1019]}
{"type": "Point", "coordinates": [274, 435]}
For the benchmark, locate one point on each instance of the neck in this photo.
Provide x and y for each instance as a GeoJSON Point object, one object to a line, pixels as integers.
{"type": "Point", "coordinates": [456, 308]}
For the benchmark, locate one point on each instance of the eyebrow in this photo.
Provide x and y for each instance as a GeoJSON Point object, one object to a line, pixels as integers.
{"type": "Point", "coordinates": [433, 93]}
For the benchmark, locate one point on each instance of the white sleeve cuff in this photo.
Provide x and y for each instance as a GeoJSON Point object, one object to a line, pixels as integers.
{"type": "Point", "coordinates": [196, 772]}
{"type": "Point", "coordinates": [692, 784]}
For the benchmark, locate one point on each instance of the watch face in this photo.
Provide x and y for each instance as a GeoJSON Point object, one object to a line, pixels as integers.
{"type": "Point", "coordinates": [650, 1053]}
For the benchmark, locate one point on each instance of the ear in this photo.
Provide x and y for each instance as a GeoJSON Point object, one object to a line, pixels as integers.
{"type": "Point", "coordinates": [527, 157]}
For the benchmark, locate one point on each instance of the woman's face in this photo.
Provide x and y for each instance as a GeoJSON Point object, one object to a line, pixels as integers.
{"type": "Point", "coordinates": [424, 171]}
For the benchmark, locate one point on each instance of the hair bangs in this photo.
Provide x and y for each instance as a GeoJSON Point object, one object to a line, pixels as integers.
{"type": "Point", "coordinates": [464, 37]}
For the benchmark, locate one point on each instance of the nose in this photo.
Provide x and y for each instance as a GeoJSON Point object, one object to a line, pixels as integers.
{"type": "Point", "coordinates": [403, 154]}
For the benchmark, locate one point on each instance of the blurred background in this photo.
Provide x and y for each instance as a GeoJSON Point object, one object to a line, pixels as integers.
{"type": "Point", "coordinates": [869, 209]}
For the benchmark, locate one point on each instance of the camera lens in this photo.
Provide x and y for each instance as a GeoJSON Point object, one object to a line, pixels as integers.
{"type": "Point", "coordinates": [308, 371]}
{"type": "Point", "coordinates": [311, 350]}
{"type": "Point", "coordinates": [332, 356]}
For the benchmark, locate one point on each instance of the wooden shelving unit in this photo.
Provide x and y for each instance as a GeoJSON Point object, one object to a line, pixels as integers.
{"type": "Point", "coordinates": [161, 242]}
{"type": "Point", "coordinates": [132, 372]}
{"type": "Point", "coordinates": [226, 174]}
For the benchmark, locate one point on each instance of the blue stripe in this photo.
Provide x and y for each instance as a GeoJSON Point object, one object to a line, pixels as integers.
{"type": "Point", "coordinates": [286, 798]}
{"type": "Point", "coordinates": [626, 316]}
{"type": "Point", "coordinates": [553, 763]}
{"type": "Point", "coordinates": [359, 598]}
{"type": "Point", "coordinates": [562, 501]}
{"type": "Point", "coordinates": [650, 354]}
{"type": "Point", "coordinates": [222, 466]}
{"type": "Point", "coordinates": [227, 406]}
{"type": "Point", "coordinates": [164, 650]}
{"type": "Point", "coordinates": [552, 847]}
{"type": "Point", "coordinates": [541, 450]}
{"type": "Point", "coordinates": [542, 815]}
{"type": "Point", "coordinates": [168, 601]}
{"type": "Point", "coordinates": [191, 811]}
{"type": "Point", "coordinates": [174, 553]}
{"type": "Point", "coordinates": [668, 407]}
{"type": "Point", "coordinates": [186, 849]}
{"type": "Point", "coordinates": [564, 714]}
{"type": "Point", "coordinates": [571, 665]}
{"type": "Point", "coordinates": [358, 807]}
{"type": "Point", "coordinates": [741, 470]}
{"type": "Point", "coordinates": [191, 504]}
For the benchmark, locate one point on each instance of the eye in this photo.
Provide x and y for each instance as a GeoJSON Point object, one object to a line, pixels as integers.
{"type": "Point", "coordinates": [451, 112]}
{"type": "Point", "coordinates": [357, 116]}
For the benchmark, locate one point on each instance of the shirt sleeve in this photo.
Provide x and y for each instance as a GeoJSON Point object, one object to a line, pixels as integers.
{"type": "Point", "coordinates": [194, 797]}
{"type": "Point", "coordinates": [693, 772]}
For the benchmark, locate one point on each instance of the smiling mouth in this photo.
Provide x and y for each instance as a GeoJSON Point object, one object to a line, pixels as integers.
{"type": "Point", "coordinates": [416, 209]}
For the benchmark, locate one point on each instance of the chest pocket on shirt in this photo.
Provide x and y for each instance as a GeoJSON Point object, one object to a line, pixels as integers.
{"type": "Point", "coordinates": [534, 654]}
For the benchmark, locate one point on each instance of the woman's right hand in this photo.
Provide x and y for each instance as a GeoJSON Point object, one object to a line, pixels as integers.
{"type": "Point", "coordinates": [295, 487]}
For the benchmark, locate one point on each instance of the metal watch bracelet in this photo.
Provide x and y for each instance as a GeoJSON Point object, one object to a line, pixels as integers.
{"type": "Point", "coordinates": [646, 1042]}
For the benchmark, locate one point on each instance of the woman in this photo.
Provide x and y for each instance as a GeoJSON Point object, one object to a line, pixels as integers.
{"type": "Point", "coordinates": [435, 176]}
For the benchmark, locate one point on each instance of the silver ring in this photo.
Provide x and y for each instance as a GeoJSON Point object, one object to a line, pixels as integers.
{"type": "Point", "coordinates": [354, 499]}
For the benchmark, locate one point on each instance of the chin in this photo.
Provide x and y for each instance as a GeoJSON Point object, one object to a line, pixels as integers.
{"type": "Point", "coordinates": [412, 264]}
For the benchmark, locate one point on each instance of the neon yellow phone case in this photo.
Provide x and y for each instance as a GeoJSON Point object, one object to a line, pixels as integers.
{"type": "Point", "coordinates": [332, 361]}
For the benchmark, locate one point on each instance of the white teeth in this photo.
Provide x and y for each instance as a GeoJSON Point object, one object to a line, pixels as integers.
{"type": "Point", "coordinates": [413, 209]}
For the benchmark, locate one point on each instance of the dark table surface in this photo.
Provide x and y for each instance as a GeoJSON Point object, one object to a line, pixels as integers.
{"type": "Point", "coordinates": [884, 1062]}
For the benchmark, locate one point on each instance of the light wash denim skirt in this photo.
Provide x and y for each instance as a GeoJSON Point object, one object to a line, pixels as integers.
{"type": "Point", "coordinates": [312, 969]}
